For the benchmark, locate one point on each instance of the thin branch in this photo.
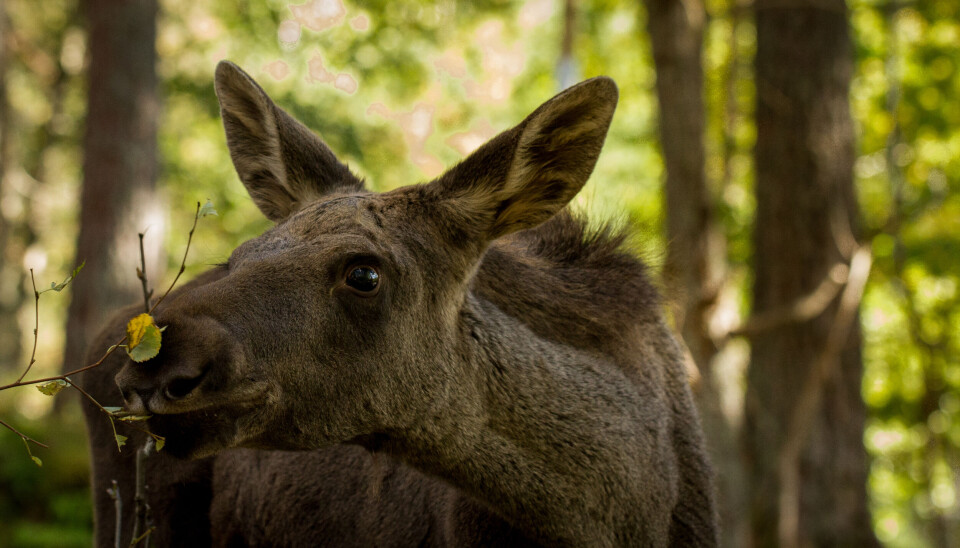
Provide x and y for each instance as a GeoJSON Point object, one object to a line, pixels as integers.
{"type": "Point", "coordinates": [113, 424]}
{"type": "Point", "coordinates": [183, 263]}
{"type": "Point", "coordinates": [23, 436]}
{"type": "Point", "coordinates": [802, 417]}
{"type": "Point", "coordinates": [140, 496]}
{"type": "Point", "coordinates": [142, 537]}
{"type": "Point", "coordinates": [87, 395]}
{"type": "Point", "coordinates": [114, 493]}
{"type": "Point", "coordinates": [36, 326]}
{"type": "Point", "coordinates": [109, 351]}
{"type": "Point", "coordinates": [142, 275]}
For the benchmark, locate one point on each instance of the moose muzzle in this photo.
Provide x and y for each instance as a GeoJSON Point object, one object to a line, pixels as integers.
{"type": "Point", "coordinates": [195, 359]}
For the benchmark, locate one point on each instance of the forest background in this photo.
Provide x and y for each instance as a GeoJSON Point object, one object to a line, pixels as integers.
{"type": "Point", "coordinates": [789, 168]}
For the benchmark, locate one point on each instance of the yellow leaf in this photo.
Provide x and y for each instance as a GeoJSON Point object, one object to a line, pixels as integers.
{"type": "Point", "coordinates": [136, 329]}
{"type": "Point", "coordinates": [143, 338]}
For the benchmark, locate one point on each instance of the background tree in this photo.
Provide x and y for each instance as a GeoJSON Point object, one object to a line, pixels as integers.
{"type": "Point", "coordinates": [692, 269]}
{"type": "Point", "coordinates": [804, 414]}
{"type": "Point", "coordinates": [119, 164]}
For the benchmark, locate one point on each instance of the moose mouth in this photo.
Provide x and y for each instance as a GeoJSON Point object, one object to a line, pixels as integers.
{"type": "Point", "coordinates": [193, 435]}
{"type": "Point", "coordinates": [204, 432]}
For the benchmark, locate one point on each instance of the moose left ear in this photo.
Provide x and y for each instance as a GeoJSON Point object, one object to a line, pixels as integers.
{"type": "Point", "coordinates": [282, 164]}
{"type": "Point", "coordinates": [525, 175]}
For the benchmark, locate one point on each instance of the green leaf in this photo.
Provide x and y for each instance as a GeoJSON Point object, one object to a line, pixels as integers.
{"type": "Point", "coordinates": [121, 440]}
{"type": "Point", "coordinates": [58, 287]}
{"type": "Point", "coordinates": [52, 388]}
{"type": "Point", "coordinates": [143, 338]}
{"type": "Point", "coordinates": [32, 457]}
{"type": "Point", "coordinates": [160, 442]}
{"type": "Point", "coordinates": [112, 410]}
{"type": "Point", "coordinates": [207, 209]}
{"type": "Point", "coordinates": [149, 346]}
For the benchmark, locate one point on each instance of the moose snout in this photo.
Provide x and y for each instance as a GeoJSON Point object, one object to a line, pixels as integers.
{"type": "Point", "coordinates": [172, 382]}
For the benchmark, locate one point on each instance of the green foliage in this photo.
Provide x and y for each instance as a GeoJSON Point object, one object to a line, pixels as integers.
{"type": "Point", "coordinates": [908, 172]}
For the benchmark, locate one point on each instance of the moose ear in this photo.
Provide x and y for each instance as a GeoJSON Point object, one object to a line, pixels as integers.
{"type": "Point", "coordinates": [525, 175]}
{"type": "Point", "coordinates": [282, 164]}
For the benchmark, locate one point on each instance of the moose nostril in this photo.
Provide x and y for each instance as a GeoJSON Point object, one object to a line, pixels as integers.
{"type": "Point", "coordinates": [179, 388]}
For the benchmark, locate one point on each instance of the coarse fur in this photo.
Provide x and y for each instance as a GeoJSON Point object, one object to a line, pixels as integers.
{"type": "Point", "coordinates": [510, 380]}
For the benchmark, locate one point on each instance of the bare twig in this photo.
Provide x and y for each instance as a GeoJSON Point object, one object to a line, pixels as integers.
{"type": "Point", "coordinates": [113, 424]}
{"type": "Point", "coordinates": [183, 263]}
{"type": "Point", "coordinates": [114, 493]}
{"type": "Point", "coordinates": [109, 351]}
{"type": "Point", "coordinates": [36, 326]}
{"type": "Point", "coordinates": [142, 275]}
{"type": "Point", "coordinates": [144, 536]}
{"type": "Point", "coordinates": [802, 417]}
{"type": "Point", "coordinates": [140, 496]}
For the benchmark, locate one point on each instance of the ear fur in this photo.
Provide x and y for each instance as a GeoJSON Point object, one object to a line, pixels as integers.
{"type": "Point", "coordinates": [525, 175]}
{"type": "Point", "coordinates": [282, 164]}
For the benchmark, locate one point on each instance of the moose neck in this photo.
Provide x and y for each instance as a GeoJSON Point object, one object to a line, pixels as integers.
{"type": "Point", "coordinates": [549, 436]}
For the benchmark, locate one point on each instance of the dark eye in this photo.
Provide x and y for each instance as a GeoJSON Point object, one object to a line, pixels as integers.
{"type": "Point", "coordinates": [363, 280]}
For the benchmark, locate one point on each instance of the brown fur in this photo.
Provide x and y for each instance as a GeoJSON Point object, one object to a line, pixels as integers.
{"type": "Point", "coordinates": [513, 375]}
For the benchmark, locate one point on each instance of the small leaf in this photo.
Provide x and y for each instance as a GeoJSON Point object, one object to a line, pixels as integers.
{"type": "Point", "coordinates": [136, 328]}
{"type": "Point", "coordinates": [32, 457]}
{"type": "Point", "coordinates": [160, 442]}
{"type": "Point", "coordinates": [52, 388]}
{"type": "Point", "coordinates": [112, 410]}
{"type": "Point", "coordinates": [143, 338]}
{"type": "Point", "coordinates": [121, 440]}
{"type": "Point", "coordinates": [59, 287]}
{"type": "Point", "coordinates": [149, 346]}
{"type": "Point", "coordinates": [134, 417]}
{"type": "Point", "coordinates": [207, 209]}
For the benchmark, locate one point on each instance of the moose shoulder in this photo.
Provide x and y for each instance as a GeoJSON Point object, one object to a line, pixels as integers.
{"type": "Point", "coordinates": [512, 366]}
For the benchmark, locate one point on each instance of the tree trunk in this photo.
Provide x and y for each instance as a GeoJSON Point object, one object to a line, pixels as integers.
{"type": "Point", "coordinates": [119, 164]}
{"type": "Point", "coordinates": [676, 32]}
{"type": "Point", "coordinates": [10, 274]}
{"type": "Point", "coordinates": [805, 226]}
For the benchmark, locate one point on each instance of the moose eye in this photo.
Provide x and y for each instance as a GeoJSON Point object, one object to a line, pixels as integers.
{"type": "Point", "coordinates": [363, 280]}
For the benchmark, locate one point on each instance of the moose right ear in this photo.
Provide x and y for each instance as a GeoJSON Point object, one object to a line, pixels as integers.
{"type": "Point", "coordinates": [525, 175]}
{"type": "Point", "coordinates": [282, 164]}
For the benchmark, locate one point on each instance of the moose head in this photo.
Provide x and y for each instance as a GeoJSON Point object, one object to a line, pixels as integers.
{"type": "Point", "coordinates": [353, 316]}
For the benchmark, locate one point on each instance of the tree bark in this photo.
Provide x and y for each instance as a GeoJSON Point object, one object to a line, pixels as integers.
{"type": "Point", "coordinates": [805, 225]}
{"type": "Point", "coordinates": [676, 32]}
{"type": "Point", "coordinates": [119, 164]}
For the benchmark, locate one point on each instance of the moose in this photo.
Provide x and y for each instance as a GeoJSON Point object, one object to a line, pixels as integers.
{"type": "Point", "coordinates": [460, 362]}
